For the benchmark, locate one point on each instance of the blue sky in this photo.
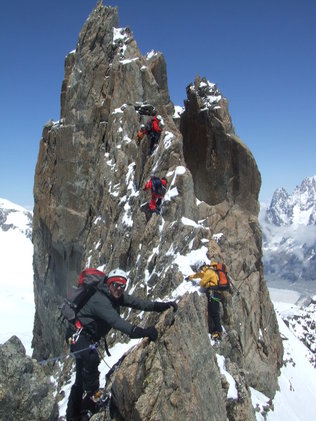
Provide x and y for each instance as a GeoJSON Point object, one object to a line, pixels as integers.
{"type": "Point", "coordinates": [261, 54]}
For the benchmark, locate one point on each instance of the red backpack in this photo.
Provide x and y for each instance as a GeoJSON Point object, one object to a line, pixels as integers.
{"type": "Point", "coordinates": [223, 278]}
{"type": "Point", "coordinates": [79, 295]}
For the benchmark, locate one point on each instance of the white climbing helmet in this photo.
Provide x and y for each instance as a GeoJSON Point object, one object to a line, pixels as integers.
{"type": "Point", "coordinates": [117, 275]}
{"type": "Point", "coordinates": [201, 264]}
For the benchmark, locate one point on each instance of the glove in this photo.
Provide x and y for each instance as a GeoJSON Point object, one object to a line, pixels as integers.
{"type": "Point", "coordinates": [187, 278]}
{"type": "Point", "coordinates": [160, 307]}
{"type": "Point", "coordinates": [150, 332]}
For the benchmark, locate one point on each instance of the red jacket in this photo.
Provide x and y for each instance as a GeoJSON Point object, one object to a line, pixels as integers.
{"type": "Point", "coordinates": [149, 185]}
{"type": "Point", "coordinates": [155, 125]}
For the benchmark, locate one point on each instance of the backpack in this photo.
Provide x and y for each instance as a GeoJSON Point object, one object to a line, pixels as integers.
{"type": "Point", "coordinates": [157, 186]}
{"type": "Point", "coordinates": [149, 125]}
{"type": "Point", "coordinates": [79, 296]}
{"type": "Point", "coordinates": [222, 275]}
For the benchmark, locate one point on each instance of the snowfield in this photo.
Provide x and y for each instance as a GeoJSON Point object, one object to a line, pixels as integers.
{"type": "Point", "coordinates": [296, 400]}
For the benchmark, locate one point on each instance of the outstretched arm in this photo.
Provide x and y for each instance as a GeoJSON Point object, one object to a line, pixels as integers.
{"type": "Point", "coordinates": [146, 305]}
{"type": "Point", "coordinates": [197, 275]}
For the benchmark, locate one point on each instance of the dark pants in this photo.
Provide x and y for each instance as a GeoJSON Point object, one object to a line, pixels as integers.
{"type": "Point", "coordinates": [153, 141]}
{"type": "Point", "coordinates": [213, 310]}
{"type": "Point", "coordinates": [87, 378]}
{"type": "Point", "coordinates": [158, 204]}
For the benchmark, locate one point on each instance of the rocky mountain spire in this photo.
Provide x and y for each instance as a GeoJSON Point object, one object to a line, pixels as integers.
{"type": "Point", "coordinates": [296, 208]}
{"type": "Point", "coordinates": [88, 195]}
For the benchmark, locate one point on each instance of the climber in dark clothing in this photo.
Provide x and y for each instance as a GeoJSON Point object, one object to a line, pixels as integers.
{"type": "Point", "coordinates": [95, 319]}
{"type": "Point", "coordinates": [153, 133]}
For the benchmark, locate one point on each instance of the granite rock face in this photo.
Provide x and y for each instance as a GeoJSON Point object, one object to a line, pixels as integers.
{"type": "Point", "coordinates": [222, 167]}
{"type": "Point", "coordinates": [26, 392]}
{"type": "Point", "coordinates": [88, 194]}
{"type": "Point", "coordinates": [178, 377]}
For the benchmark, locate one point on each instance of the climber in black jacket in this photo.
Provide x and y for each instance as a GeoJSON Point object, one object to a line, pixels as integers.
{"type": "Point", "coordinates": [94, 320]}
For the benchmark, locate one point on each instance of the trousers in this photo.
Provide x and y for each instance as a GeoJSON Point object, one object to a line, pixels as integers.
{"type": "Point", "coordinates": [87, 378]}
{"type": "Point", "coordinates": [153, 141]}
{"type": "Point", "coordinates": [213, 310]}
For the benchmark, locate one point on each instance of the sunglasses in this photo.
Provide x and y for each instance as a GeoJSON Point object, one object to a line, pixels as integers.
{"type": "Point", "coordinates": [117, 285]}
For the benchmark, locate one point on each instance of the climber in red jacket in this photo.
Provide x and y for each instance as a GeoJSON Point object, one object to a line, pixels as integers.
{"type": "Point", "coordinates": [158, 190]}
{"type": "Point", "coordinates": [154, 133]}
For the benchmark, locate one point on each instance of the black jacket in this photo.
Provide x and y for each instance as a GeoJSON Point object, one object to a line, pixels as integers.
{"type": "Point", "coordinates": [102, 312]}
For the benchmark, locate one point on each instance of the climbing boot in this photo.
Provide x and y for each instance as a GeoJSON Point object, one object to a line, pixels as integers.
{"type": "Point", "coordinates": [216, 336]}
{"type": "Point", "coordinates": [97, 396]}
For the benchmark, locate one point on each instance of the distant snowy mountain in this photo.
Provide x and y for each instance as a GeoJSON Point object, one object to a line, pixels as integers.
{"type": "Point", "coordinates": [15, 217]}
{"type": "Point", "coordinates": [289, 236]}
{"type": "Point", "coordinates": [299, 208]}
{"type": "Point", "coordinates": [16, 280]}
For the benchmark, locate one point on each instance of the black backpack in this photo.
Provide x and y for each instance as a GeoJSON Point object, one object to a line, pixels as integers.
{"type": "Point", "coordinates": [79, 296]}
{"type": "Point", "coordinates": [157, 186]}
{"type": "Point", "coordinates": [149, 125]}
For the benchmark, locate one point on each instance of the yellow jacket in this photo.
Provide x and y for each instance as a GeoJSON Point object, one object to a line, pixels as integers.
{"type": "Point", "coordinates": [209, 277]}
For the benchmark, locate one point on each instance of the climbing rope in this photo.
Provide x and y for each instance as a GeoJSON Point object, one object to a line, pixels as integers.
{"type": "Point", "coordinates": [70, 354]}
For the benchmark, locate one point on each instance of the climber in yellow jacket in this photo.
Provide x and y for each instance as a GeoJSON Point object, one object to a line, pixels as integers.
{"type": "Point", "coordinates": [209, 278]}
{"type": "Point", "coordinates": [209, 281]}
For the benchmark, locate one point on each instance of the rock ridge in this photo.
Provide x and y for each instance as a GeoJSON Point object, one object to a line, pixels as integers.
{"type": "Point", "coordinates": [88, 196]}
